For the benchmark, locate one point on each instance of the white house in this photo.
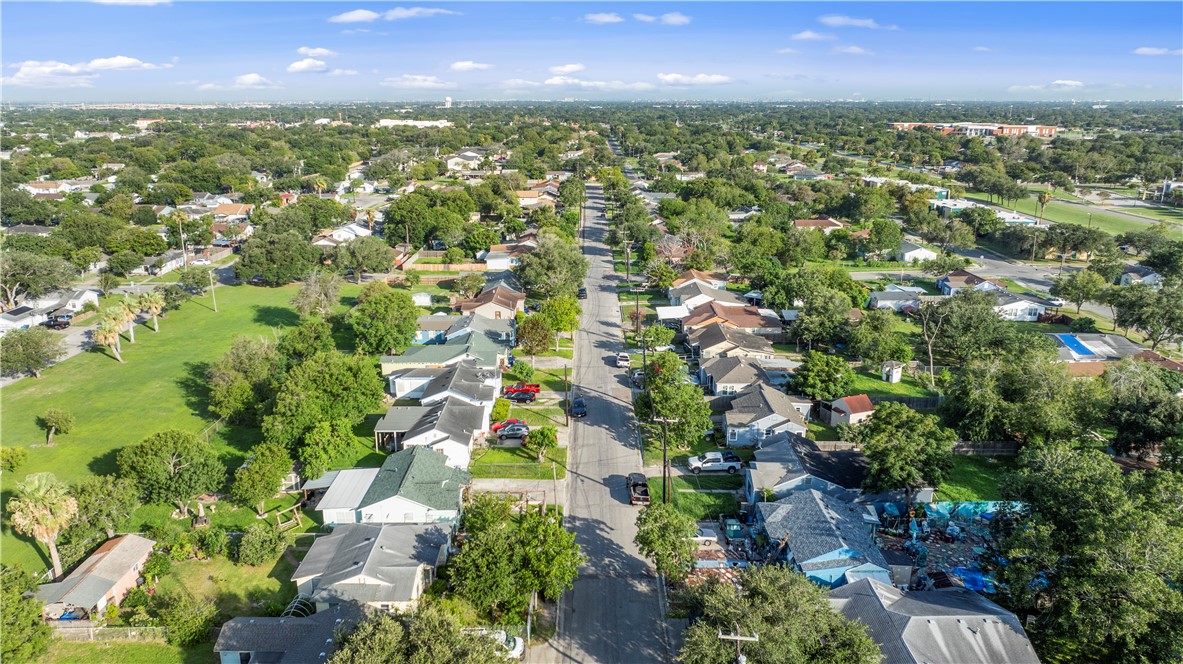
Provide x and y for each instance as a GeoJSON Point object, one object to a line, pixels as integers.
{"type": "Point", "coordinates": [1017, 307]}
{"type": "Point", "coordinates": [908, 252]}
{"type": "Point", "coordinates": [414, 485]}
{"type": "Point", "coordinates": [758, 413]}
{"type": "Point", "coordinates": [451, 426]}
{"type": "Point", "coordinates": [1140, 274]}
{"type": "Point", "coordinates": [848, 410]}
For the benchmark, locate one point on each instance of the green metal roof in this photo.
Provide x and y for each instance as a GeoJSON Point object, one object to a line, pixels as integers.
{"type": "Point", "coordinates": [421, 475]}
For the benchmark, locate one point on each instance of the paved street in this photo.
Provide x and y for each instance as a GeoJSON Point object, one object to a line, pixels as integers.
{"type": "Point", "coordinates": [613, 614]}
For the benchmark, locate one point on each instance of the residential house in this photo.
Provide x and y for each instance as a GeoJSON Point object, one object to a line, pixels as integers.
{"type": "Point", "coordinates": [893, 300]}
{"type": "Point", "coordinates": [811, 175]}
{"type": "Point", "coordinates": [940, 192]}
{"type": "Point", "coordinates": [45, 187]}
{"type": "Point", "coordinates": [414, 485]}
{"type": "Point", "coordinates": [383, 567]}
{"type": "Point", "coordinates": [776, 470]}
{"type": "Point", "coordinates": [499, 330]}
{"type": "Point", "coordinates": [286, 640]}
{"type": "Point", "coordinates": [959, 280]}
{"type": "Point", "coordinates": [1020, 307]}
{"type": "Point", "coordinates": [759, 412]}
{"type": "Point", "coordinates": [499, 302]}
{"type": "Point", "coordinates": [707, 279]}
{"type": "Point", "coordinates": [1091, 354]}
{"type": "Point", "coordinates": [848, 410]}
{"type": "Point", "coordinates": [23, 317]}
{"type": "Point", "coordinates": [693, 294]}
{"type": "Point", "coordinates": [717, 340]}
{"type": "Point", "coordinates": [450, 426]}
{"type": "Point", "coordinates": [824, 224]}
{"type": "Point", "coordinates": [671, 248]}
{"type": "Point", "coordinates": [340, 235]}
{"type": "Point", "coordinates": [464, 381]}
{"type": "Point", "coordinates": [233, 212]}
{"type": "Point", "coordinates": [829, 540]}
{"type": "Point", "coordinates": [728, 375]}
{"type": "Point", "coordinates": [232, 232]}
{"type": "Point", "coordinates": [505, 279]}
{"type": "Point", "coordinates": [432, 329]}
{"type": "Point", "coordinates": [156, 265]}
{"type": "Point", "coordinates": [503, 257]}
{"type": "Point", "coordinates": [463, 162]}
{"type": "Point", "coordinates": [484, 352]}
{"type": "Point", "coordinates": [102, 580]}
{"type": "Point", "coordinates": [908, 252]}
{"type": "Point", "coordinates": [752, 320]}
{"type": "Point", "coordinates": [1140, 274]}
{"type": "Point", "coordinates": [760, 167]}
{"type": "Point", "coordinates": [28, 229]}
{"type": "Point", "coordinates": [947, 626]}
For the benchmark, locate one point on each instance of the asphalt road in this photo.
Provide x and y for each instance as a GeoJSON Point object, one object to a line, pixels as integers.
{"type": "Point", "coordinates": [613, 613]}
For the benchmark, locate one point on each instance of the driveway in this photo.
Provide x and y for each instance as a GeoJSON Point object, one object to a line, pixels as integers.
{"type": "Point", "coordinates": [613, 614]}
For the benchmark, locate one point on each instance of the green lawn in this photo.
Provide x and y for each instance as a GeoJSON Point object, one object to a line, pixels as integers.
{"type": "Point", "coordinates": [974, 478]}
{"type": "Point", "coordinates": [819, 431]}
{"type": "Point", "coordinates": [1014, 287]}
{"type": "Point", "coordinates": [538, 416]}
{"type": "Point", "coordinates": [709, 482]}
{"type": "Point", "coordinates": [161, 385]}
{"type": "Point", "coordinates": [1040, 328]}
{"type": "Point", "coordinates": [548, 379]}
{"type": "Point", "coordinates": [237, 590]}
{"type": "Point", "coordinates": [518, 463]}
{"type": "Point", "coordinates": [1070, 214]}
{"type": "Point", "coordinates": [873, 385]}
{"type": "Point", "coordinates": [126, 652]}
{"type": "Point", "coordinates": [699, 506]}
{"type": "Point", "coordinates": [652, 454]}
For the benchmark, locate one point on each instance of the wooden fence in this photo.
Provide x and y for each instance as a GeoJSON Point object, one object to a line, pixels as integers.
{"type": "Point", "coordinates": [915, 403]}
{"type": "Point", "coordinates": [987, 448]}
{"type": "Point", "coordinates": [450, 267]}
{"type": "Point", "coordinates": [65, 631]}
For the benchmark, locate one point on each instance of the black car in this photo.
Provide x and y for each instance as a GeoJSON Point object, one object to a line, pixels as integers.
{"type": "Point", "coordinates": [57, 324]}
{"type": "Point", "coordinates": [583, 293]}
{"type": "Point", "coordinates": [578, 407]}
{"type": "Point", "coordinates": [521, 397]}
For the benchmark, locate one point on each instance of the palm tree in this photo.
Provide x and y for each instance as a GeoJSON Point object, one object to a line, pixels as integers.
{"type": "Point", "coordinates": [129, 311]}
{"type": "Point", "coordinates": [107, 333]}
{"type": "Point", "coordinates": [152, 303]}
{"type": "Point", "coordinates": [41, 509]}
{"type": "Point", "coordinates": [1044, 199]}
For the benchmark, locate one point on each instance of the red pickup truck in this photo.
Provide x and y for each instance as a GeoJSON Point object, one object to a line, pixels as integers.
{"type": "Point", "coordinates": [532, 388]}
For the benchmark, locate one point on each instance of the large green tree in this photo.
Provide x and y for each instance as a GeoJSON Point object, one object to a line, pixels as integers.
{"type": "Point", "coordinates": [905, 449]}
{"type": "Point", "coordinates": [22, 272]}
{"type": "Point", "coordinates": [562, 315]}
{"type": "Point", "coordinates": [42, 508]}
{"type": "Point", "coordinates": [172, 467]}
{"type": "Point", "coordinates": [555, 267]}
{"type": "Point", "coordinates": [365, 254]}
{"type": "Point", "coordinates": [276, 259]}
{"type": "Point", "coordinates": [29, 351]}
{"type": "Point", "coordinates": [1156, 314]}
{"type": "Point", "coordinates": [259, 478]}
{"type": "Point", "coordinates": [325, 387]}
{"type": "Point", "coordinates": [875, 340]}
{"type": "Point", "coordinates": [822, 376]}
{"type": "Point", "coordinates": [243, 380]}
{"type": "Point", "coordinates": [319, 292]}
{"type": "Point", "coordinates": [428, 635]}
{"type": "Point", "coordinates": [765, 596]}
{"type": "Point", "coordinates": [1078, 287]}
{"type": "Point", "coordinates": [386, 323]}
{"type": "Point", "coordinates": [105, 502]}
{"type": "Point", "coordinates": [664, 536]}
{"type": "Point", "coordinates": [24, 636]}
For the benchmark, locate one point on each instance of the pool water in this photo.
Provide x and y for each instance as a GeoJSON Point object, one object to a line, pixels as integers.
{"type": "Point", "coordinates": [1073, 344]}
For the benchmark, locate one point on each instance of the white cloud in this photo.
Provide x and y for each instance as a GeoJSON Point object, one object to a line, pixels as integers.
{"type": "Point", "coordinates": [343, 72]}
{"type": "Point", "coordinates": [416, 82]}
{"type": "Point", "coordinates": [307, 65]}
{"type": "Point", "coordinates": [567, 69]}
{"type": "Point", "coordinates": [1060, 85]}
{"type": "Point", "coordinates": [570, 82]}
{"type": "Point", "coordinates": [469, 65]}
{"type": "Point", "coordinates": [645, 18]}
{"type": "Point", "coordinates": [252, 82]}
{"type": "Point", "coordinates": [1066, 85]}
{"type": "Point", "coordinates": [603, 18]}
{"type": "Point", "coordinates": [983, 49]}
{"type": "Point", "coordinates": [355, 16]}
{"type": "Point", "coordinates": [840, 21]}
{"type": "Point", "coordinates": [697, 79]}
{"type": "Point", "coordinates": [810, 35]}
{"type": "Point", "coordinates": [674, 18]}
{"type": "Point", "coordinates": [315, 52]}
{"type": "Point", "coordinates": [402, 13]}
{"type": "Point", "coordinates": [54, 74]}
{"type": "Point", "coordinates": [1153, 50]}
{"type": "Point", "coordinates": [852, 50]}
{"type": "Point", "coordinates": [787, 51]}
{"type": "Point", "coordinates": [519, 83]}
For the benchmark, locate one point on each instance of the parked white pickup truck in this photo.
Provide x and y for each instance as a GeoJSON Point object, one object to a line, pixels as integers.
{"type": "Point", "coordinates": [709, 461]}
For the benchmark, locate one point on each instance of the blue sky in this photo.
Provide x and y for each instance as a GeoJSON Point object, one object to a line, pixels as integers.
{"type": "Point", "coordinates": [147, 50]}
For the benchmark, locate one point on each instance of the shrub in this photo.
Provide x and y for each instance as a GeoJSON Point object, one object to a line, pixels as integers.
{"type": "Point", "coordinates": [454, 255]}
{"type": "Point", "coordinates": [500, 410]}
{"type": "Point", "coordinates": [188, 619]}
{"type": "Point", "coordinates": [157, 566]}
{"type": "Point", "coordinates": [141, 618]}
{"type": "Point", "coordinates": [1083, 324]}
{"type": "Point", "coordinates": [212, 541]}
{"type": "Point", "coordinates": [523, 371]}
{"type": "Point", "coordinates": [441, 300]}
{"type": "Point", "coordinates": [260, 544]}
{"type": "Point", "coordinates": [136, 598]}
{"type": "Point", "coordinates": [88, 307]}
{"type": "Point", "coordinates": [12, 458]}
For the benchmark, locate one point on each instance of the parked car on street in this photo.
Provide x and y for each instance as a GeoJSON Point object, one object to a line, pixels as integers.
{"type": "Point", "coordinates": [583, 293]}
{"type": "Point", "coordinates": [578, 407]}
{"type": "Point", "coordinates": [638, 377]}
{"type": "Point", "coordinates": [498, 426]}
{"type": "Point", "coordinates": [716, 461]}
{"type": "Point", "coordinates": [513, 647]}
{"type": "Point", "coordinates": [638, 489]}
{"type": "Point", "coordinates": [521, 397]}
{"type": "Point", "coordinates": [533, 388]}
{"type": "Point", "coordinates": [513, 431]}
{"type": "Point", "coordinates": [622, 360]}
{"type": "Point", "coordinates": [1056, 301]}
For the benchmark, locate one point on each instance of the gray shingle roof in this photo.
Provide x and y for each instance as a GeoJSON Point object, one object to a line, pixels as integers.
{"type": "Point", "coordinates": [761, 400]}
{"type": "Point", "coordinates": [715, 334]}
{"type": "Point", "coordinates": [693, 288]}
{"type": "Point", "coordinates": [372, 563]}
{"type": "Point", "coordinates": [464, 379]}
{"type": "Point", "coordinates": [99, 573]}
{"type": "Point", "coordinates": [418, 474]}
{"type": "Point", "coordinates": [815, 524]}
{"type": "Point", "coordinates": [730, 370]}
{"type": "Point", "coordinates": [951, 626]}
{"type": "Point", "coordinates": [290, 640]}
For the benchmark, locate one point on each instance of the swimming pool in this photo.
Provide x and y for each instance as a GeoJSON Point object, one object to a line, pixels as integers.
{"type": "Point", "coordinates": [1073, 344]}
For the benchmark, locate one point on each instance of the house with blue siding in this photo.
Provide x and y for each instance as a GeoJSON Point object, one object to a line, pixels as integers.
{"type": "Point", "coordinates": [829, 540]}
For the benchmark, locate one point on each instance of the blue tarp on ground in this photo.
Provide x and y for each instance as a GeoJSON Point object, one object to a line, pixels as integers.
{"type": "Point", "coordinates": [974, 579]}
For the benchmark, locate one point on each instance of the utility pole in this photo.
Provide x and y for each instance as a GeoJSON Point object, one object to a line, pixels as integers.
{"type": "Point", "coordinates": [739, 639]}
{"type": "Point", "coordinates": [566, 397]}
{"type": "Point", "coordinates": [666, 480]}
{"type": "Point", "coordinates": [211, 290]}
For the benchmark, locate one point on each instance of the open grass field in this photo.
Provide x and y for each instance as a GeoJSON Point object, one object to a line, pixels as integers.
{"type": "Point", "coordinates": [1068, 214]}
{"type": "Point", "coordinates": [126, 652]}
{"type": "Point", "coordinates": [974, 478]}
{"type": "Point", "coordinates": [518, 463]}
{"type": "Point", "coordinates": [872, 384]}
{"type": "Point", "coordinates": [696, 504]}
{"type": "Point", "coordinates": [160, 386]}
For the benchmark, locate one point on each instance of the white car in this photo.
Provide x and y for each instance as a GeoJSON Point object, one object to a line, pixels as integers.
{"type": "Point", "coordinates": [622, 360]}
{"type": "Point", "coordinates": [200, 261]}
{"type": "Point", "coordinates": [515, 647]}
{"type": "Point", "coordinates": [1056, 301]}
{"type": "Point", "coordinates": [709, 461]}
